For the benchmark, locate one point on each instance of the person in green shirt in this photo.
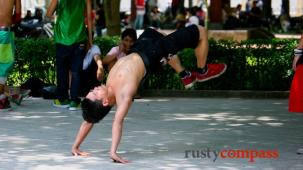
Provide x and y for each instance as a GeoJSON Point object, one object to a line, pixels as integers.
{"type": "Point", "coordinates": [71, 35]}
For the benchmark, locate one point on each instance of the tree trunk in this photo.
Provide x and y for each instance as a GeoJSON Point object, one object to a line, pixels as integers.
{"type": "Point", "coordinates": [215, 11]}
{"type": "Point", "coordinates": [285, 7]}
{"type": "Point", "coordinates": [133, 13]}
{"type": "Point", "coordinates": [190, 3]}
{"type": "Point", "coordinates": [112, 17]}
{"type": "Point", "coordinates": [267, 11]}
{"type": "Point", "coordinates": [181, 5]}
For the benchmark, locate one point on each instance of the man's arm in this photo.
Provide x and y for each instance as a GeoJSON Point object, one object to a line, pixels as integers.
{"type": "Point", "coordinates": [100, 69]}
{"type": "Point", "coordinates": [82, 133]}
{"type": "Point", "coordinates": [51, 9]}
{"type": "Point", "coordinates": [108, 59]}
{"type": "Point", "coordinates": [124, 102]}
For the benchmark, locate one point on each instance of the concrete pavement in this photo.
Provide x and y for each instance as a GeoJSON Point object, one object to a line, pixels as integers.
{"type": "Point", "coordinates": [159, 133]}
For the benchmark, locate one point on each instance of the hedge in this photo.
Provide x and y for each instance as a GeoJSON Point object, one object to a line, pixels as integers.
{"type": "Point", "coordinates": [252, 64]}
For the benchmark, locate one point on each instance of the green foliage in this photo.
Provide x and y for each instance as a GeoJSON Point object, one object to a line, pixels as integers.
{"type": "Point", "coordinates": [106, 43]}
{"type": "Point", "coordinates": [34, 58]}
{"type": "Point", "coordinates": [252, 64]}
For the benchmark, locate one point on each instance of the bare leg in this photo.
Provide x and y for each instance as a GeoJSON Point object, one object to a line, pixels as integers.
{"type": "Point", "coordinates": [202, 72]}
{"type": "Point", "coordinates": [175, 63]}
{"type": "Point", "coordinates": [201, 51]}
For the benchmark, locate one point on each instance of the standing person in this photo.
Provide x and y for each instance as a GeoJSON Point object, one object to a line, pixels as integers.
{"type": "Point", "coordinates": [92, 72]}
{"type": "Point", "coordinates": [174, 7]}
{"type": "Point", "coordinates": [248, 6]}
{"type": "Point", "coordinates": [124, 78]}
{"type": "Point", "coordinates": [100, 19]}
{"type": "Point", "coordinates": [70, 37]}
{"type": "Point", "coordinates": [193, 19]}
{"type": "Point", "coordinates": [28, 16]}
{"type": "Point", "coordinates": [180, 19]}
{"type": "Point", "coordinates": [155, 17]}
{"type": "Point", "coordinates": [10, 13]}
{"type": "Point", "coordinates": [140, 11]}
{"type": "Point", "coordinates": [296, 90]}
{"type": "Point", "coordinates": [260, 4]}
{"type": "Point", "coordinates": [255, 15]}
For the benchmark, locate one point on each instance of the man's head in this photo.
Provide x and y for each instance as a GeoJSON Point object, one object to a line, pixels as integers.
{"type": "Point", "coordinates": [95, 106]}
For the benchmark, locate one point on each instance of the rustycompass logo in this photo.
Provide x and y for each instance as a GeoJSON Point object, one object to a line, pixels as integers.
{"type": "Point", "coordinates": [250, 154]}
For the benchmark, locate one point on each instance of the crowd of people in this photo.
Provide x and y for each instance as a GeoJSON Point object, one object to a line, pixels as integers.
{"type": "Point", "coordinates": [251, 17]}
{"type": "Point", "coordinates": [80, 64]}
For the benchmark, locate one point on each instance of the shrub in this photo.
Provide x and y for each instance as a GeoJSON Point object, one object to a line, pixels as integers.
{"type": "Point", "coordinates": [252, 64]}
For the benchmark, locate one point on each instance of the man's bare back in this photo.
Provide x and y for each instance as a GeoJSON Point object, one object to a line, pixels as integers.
{"type": "Point", "coordinates": [128, 71]}
{"type": "Point", "coordinates": [6, 11]}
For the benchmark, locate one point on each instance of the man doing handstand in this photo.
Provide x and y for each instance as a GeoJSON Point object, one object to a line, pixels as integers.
{"type": "Point", "coordinates": [125, 76]}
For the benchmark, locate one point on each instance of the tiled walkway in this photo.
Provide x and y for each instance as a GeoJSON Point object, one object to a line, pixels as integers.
{"type": "Point", "coordinates": [159, 133]}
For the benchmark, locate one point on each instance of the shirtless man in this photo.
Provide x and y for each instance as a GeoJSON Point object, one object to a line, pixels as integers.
{"type": "Point", "coordinates": [10, 13]}
{"type": "Point", "coordinates": [125, 76]}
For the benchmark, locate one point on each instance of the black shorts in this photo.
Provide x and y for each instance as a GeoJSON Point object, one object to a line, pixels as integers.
{"type": "Point", "coordinates": [152, 46]}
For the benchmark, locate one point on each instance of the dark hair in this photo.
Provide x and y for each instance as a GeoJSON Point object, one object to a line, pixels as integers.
{"type": "Point", "coordinates": [94, 111]}
{"type": "Point", "coordinates": [129, 32]}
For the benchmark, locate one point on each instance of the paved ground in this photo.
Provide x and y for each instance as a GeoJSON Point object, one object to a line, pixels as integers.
{"type": "Point", "coordinates": [159, 132]}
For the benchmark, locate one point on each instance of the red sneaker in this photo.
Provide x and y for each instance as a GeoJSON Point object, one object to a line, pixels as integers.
{"type": "Point", "coordinates": [213, 71]}
{"type": "Point", "coordinates": [189, 80]}
{"type": "Point", "coordinates": [4, 104]}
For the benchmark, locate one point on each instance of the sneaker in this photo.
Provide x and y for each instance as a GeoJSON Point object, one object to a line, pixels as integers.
{"type": "Point", "coordinates": [300, 151]}
{"type": "Point", "coordinates": [213, 71]}
{"type": "Point", "coordinates": [74, 106]}
{"type": "Point", "coordinates": [61, 104]}
{"type": "Point", "coordinates": [189, 80]}
{"type": "Point", "coordinates": [4, 104]}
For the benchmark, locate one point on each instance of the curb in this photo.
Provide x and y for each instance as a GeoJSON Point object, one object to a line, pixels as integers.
{"type": "Point", "coordinates": [216, 94]}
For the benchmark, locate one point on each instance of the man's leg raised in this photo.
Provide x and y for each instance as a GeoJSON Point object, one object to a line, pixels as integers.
{"type": "Point", "coordinates": [205, 71]}
{"type": "Point", "coordinates": [188, 79]}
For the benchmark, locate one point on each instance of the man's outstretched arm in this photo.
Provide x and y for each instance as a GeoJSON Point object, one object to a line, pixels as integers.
{"type": "Point", "coordinates": [82, 133]}
{"type": "Point", "coordinates": [123, 106]}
